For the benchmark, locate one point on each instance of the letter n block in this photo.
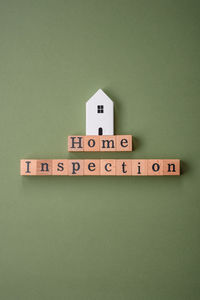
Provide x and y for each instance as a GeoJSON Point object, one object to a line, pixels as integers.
{"type": "Point", "coordinates": [171, 167]}
{"type": "Point", "coordinates": [75, 167]}
{"type": "Point", "coordinates": [60, 167]}
{"type": "Point", "coordinates": [75, 143]}
{"type": "Point", "coordinates": [124, 143]}
{"type": "Point", "coordinates": [44, 167]}
{"type": "Point", "coordinates": [155, 167]}
{"type": "Point", "coordinates": [28, 167]}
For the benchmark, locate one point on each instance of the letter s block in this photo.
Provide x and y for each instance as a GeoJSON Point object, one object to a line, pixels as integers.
{"type": "Point", "coordinates": [75, 143]}
{"type": "Point", "coordinates": [60, 167]}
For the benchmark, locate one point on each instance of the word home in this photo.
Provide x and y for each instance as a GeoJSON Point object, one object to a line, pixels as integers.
{"type": "Point", "coordinates": [100, 167]}
{"type": "Point", "coordinates": [103, 143]}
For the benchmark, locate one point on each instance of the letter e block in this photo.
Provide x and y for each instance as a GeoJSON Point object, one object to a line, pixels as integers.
{"type": "Point", "coordinates": [75, 167]}
{"type": "Point", "coordinates": [139, 167]}
{"type": "Point", "coordinates": [107, 167]}
{"type": "Point", "coordinates": [124, 143]}
{"type": "Point", "coordinates": [171, 167]}
{"type": "Point", "coordinates": [91, 167]}
{"type": "Point", "coordinates": [91, 143]}
{"type": "Point", "coordinates": [75, 143]}
{"type": "Point", "coordinates": [60, 167]}
{"type": "Point", "coordinates": [28, 167]}
{"type": "Point", "coordinates": [155, 167]}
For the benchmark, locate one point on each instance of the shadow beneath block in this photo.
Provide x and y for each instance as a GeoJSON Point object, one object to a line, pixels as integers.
{"type": "Point", "coordinates": [136, 143]}
{"type": "Point", "coordinates": [184, 167]}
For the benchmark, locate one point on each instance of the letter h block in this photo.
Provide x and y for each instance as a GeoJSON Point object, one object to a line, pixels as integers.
{"type": "Point", "coordinates": [75, 143]}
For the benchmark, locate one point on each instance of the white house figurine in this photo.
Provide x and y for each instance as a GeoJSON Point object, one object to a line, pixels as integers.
{"type": "Point", "coordinates": [99, 115]}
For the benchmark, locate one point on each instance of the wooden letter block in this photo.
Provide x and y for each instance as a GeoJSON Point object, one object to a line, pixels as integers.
{"type": "Point", "coordinates": [108, 143]}
{"type": "Point", "coordinates": [75, 143]}
{"type": "Point", "coordinates": [155, 167]}
{"type": "Point", "coordinates": [139, 167]}
{"type": "Point", "coordinates": [60, 167]}
{"type": "Point", "coordinates": [171, 167]}
{"type": "Point", "coordinates": [91, 143]}
{"type": "Point", "coordinates": [28, 167]}
{"type": "Point", "coordinates": [75, 167]}
{"type": "Point", "coordinates": [44, 167]}
{"type": "Point", "coordinates": [107, 167]}
{"type": "Point", "coordinates": [123, 167]}
{"type": "Point", "coordinates": [124, 143]}
{"type": "Point", "coordinates": [91, 167]}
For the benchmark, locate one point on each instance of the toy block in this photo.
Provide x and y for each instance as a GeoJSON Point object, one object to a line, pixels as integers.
{"type": "Point", "coordinates": [91, 167]}
{"type": "Point", "coordinates": [123, 167]}
{"type": "Point", "coordinates": [155, 167]}
{"type": "Point", "coordinates": [108, 143]}
{"type": "Point", "coordinates": [60, 167]}
{"type": "Point", "coordinates": [44, 167]}
{"type": "Point", "coordinates": [75, 167]}
{"type": "Point", "coordinates": [124, 143]}
{"type": "Point", "coordinates": [171, 167]}
{"type": "Point", "coordinates": [107, 167]}
{"type": "Point", "coordinates": [75, 143]}
{"type": "Point", "coordinates": [91, 143]}
{"type": "Point", "coordinates": [139, 167]}
{"type": "Point", "coordinates": [28, 167]}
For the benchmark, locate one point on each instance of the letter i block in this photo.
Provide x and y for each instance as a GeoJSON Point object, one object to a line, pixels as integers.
{"type": "Point", "coordinates": [155, 167]}
{"type": "Point", "coordinates": [139, 167]}
{"type": "Point", "coordinates": [171, 167]}
{"type": "Point", "coordinates": [91, 143]}
{"type": "Point", "coordinates": [75, 143]}
{"type": "Point", "coordinates": [124, 143]}
{"type": "Point", "coordinates": [108, 143]}
{"type": "Point", "coordinates": [60, 167]}
{"type": "Point", "coordinates": [44, 167]}
{"type": "Point", "coordinates": [91, 167]}
{"type": "Point", "coordinates": [28, 167]}
{"type": "Point", "coordinates": [75, 167]}
{"type": "Point", "coordinates": [123, 167]}
{"type": "Point", "coordinates": [108, 167]}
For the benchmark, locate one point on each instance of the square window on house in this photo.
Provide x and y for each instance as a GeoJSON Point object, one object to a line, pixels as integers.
{"type": "Point", "coordinates": [100, 109]}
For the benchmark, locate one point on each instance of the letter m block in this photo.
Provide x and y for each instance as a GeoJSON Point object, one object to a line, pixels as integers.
{"type": "Point", "coordinates": [75, 143]}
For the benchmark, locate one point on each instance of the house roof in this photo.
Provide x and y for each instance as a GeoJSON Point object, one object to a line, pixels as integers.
{"type": "Point", "coordinates": [99, 96]}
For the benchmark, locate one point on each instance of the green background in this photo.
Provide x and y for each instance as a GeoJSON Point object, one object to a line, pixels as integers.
{"type": "Point", "coordinates": [99, 238]}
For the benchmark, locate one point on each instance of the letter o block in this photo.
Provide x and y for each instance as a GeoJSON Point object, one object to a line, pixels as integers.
{"type": "Point", "coordinates": [91, 143]}
{"type": "Point", "coordinates": [155, 167]}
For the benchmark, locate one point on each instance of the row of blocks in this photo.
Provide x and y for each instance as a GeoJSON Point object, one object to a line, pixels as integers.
{"type": "Point", "coordinates": [100, 143]}
{"type": "Point", "coordinates": [101, 167]}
